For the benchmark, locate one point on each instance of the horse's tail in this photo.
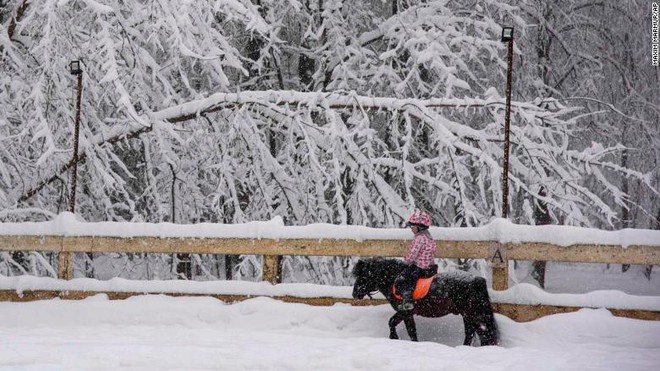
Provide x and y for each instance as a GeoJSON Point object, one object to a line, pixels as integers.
{"type": "Point", "coordinates": [488, 331]}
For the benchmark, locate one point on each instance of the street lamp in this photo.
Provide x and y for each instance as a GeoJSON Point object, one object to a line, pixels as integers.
{"type": "Point", "coordinates": [507, 36]}
{"type": "Point", "coordinates": [75, 68]}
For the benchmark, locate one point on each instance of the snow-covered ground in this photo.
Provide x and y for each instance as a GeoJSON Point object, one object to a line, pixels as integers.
{"type": "Point", "coordinates": [158, 332]}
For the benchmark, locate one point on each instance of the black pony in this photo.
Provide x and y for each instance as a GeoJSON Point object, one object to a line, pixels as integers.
{"type": "Point", "coordinates": [453, 292]}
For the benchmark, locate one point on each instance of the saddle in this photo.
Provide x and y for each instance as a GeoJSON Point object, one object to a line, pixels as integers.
{"type": "Point", "coordinates": [421, 288]}
{"type": "Point", "coordinates": [422, 285]}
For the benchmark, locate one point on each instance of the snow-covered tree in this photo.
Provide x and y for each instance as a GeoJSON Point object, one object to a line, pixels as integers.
{"type": "Point", "coordinates": [315, 111]}
{"type": "Point", "coordinates": [594, 54]}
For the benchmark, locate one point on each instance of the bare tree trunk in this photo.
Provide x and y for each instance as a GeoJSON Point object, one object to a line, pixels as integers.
{"type": "Point", "coordinates": [625, 210]}
{"type": "Point", "coordinates": [229, 267]}
{"type": "Point", "coordinates": [4, 10]}
{"type": "Point", "coordinates": [184, 266]}
{"type": "Point", "coordinates": [183, 261]}
{"type": "Point", "coordinates": [306, 70]}
{"type": "Point", "coordinates": [19, 14]}
{"type": "Point", "coordinates": [541, 214]}
{"type": "Point", "coordinates": [254, 46]}
{"type": "Point", "coordinates": [19, 258]}
{"type": "Point", "coordinates": [306, 64]}
{"type": "Point", "coordinates": [649, 268]}
{"type": "Point", "coordinates": [541, 217]}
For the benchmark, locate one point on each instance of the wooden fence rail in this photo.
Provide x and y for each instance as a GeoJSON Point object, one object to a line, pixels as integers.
{"type": "Point", "coordinates": [497, 254]}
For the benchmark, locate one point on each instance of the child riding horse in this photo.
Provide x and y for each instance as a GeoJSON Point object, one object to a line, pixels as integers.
{"type": "Point", "coordinates": [419, 260]}
{"type": "Point", "coordinates": [450, 292]}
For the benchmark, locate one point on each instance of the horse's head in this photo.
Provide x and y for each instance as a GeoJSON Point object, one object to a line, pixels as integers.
{"type": "Point", "coordinates": [366, 278]}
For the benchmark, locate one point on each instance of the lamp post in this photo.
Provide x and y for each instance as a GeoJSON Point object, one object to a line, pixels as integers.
{"type": "Point", "coordinates": [507, 36]}
{"type": "Point", "coordinates": [76, 70]}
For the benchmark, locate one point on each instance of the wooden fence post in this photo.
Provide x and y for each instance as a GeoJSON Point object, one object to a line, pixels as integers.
{"type": "Point", "coordinates": [500, 265]}
{"type": "Point", "coordinates": [272, 269]}
{"type": "Point", "coordinates": [65, 265]}
{"type": "Point", "coordinates": [501, 277]}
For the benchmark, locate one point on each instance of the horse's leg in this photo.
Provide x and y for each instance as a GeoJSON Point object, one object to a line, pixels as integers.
{"type": "Point", "coordinates": [470, 324]}
{"type": "Point", "coordinates": [410, 326]}
{"type": "Point", "coordinates": [394, 322]}
{"type": "Point", "coordinates": [487, 330]}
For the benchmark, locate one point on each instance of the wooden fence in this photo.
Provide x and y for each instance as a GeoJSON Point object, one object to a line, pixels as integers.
{"type": "Point", "coordinates": [497, 254]}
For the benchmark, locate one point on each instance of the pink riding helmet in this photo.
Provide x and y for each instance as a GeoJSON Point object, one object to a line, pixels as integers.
{"type": "Point", "coordinates": [420, 218]}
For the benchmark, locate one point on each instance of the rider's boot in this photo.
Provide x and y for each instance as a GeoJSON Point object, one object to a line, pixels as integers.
{"type": "Point", "coordinates": [407, 303]}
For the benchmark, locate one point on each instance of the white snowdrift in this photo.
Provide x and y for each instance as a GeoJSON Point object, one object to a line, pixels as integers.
{"type": "Point", "coordinates": [164, 333]}
{"type": "Point", "coordinates": [520, 294]}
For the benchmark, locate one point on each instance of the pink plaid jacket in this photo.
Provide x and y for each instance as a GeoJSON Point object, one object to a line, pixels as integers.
{"type": "Point", "coordinates": [422, 250]}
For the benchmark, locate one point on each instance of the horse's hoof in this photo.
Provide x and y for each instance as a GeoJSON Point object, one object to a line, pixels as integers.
{"type": "Point", "coordinates": [394, 337]}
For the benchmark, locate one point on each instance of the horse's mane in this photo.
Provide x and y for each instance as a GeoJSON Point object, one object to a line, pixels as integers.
{"type": "Point", "coordinates": [378, 266]}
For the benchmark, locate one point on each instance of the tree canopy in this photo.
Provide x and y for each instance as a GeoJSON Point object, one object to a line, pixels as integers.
{"type": "Point", "coordinates": [332, 111]}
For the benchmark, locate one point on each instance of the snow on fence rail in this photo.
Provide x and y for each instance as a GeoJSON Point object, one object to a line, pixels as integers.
{"type": "Point", "coordinates": [498, 242]}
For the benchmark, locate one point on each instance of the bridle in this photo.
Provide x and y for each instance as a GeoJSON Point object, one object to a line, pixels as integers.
{"type": "Point", "coordinates": [370, 277]}
{"type": "Point", "coordinates": [370, 293]}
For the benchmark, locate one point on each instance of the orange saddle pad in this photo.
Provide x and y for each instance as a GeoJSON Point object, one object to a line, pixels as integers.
{"type": "Point", "coordinates": [421, 288]}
